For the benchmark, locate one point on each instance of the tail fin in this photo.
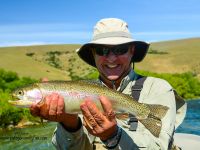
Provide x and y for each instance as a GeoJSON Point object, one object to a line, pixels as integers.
{"type": "Point", "coordinates": [153, 122]}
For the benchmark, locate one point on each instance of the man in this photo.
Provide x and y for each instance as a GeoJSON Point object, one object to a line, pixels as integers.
{"type": "Point", "coordinates": [112, 51]}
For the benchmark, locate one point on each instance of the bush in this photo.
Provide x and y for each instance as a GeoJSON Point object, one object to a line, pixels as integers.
{"type": "Point", "coordinates": [8, 82]}
{"type": "Point", "coordinates": [186, 84]}
{"type": "Point", "coordinates": [30, 54]}
{"type": "Point", "coordinates": [53, 60]}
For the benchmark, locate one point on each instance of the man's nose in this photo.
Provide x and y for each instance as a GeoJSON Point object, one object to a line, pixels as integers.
{"type": "Point", "coordinates": [111, 56]}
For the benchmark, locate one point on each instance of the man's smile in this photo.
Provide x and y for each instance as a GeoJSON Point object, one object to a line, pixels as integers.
{"type": "Point", "coordinates": [112, 66]}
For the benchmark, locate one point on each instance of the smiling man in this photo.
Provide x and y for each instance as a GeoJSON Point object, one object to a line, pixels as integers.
{"type": "Point", "coordinates": [113, 62]}
{"type": "Point", "coordinates": [113, 52]}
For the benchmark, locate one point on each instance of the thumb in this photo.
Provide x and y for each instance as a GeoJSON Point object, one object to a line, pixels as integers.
{"type": "Point", "coordinates": [107, 107]}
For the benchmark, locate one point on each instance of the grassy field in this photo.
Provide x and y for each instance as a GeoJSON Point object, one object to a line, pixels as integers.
{"type": "Point", "coordinates": [36, 62]}
{"type": "Point", "coordinates": [61, 62]}
{"type": "Point", "coordinates": [176, 56]}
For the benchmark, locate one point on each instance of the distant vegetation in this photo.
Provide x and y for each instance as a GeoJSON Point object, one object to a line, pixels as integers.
{"type": "Point", "coordinates": [30, 54]}
{"type": "Point", "coordinates": [153, 51]}
{"type": "Point", "coordinates": [52, 59]}
{"type": "Point", "coordinates": [186, 84]}
{"type": "Point", "coordinates": [9, 114]}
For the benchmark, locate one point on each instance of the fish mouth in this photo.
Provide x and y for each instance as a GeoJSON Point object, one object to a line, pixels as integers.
{"type": "Point", "coordinates": [20, 103]}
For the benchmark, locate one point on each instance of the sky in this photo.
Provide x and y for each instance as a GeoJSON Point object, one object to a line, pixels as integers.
{"type": "Point", "coordinates": [36, 22]}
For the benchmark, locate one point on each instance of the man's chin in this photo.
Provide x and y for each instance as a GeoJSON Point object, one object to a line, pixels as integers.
{"type": "Point", "coordinates": [113, 77]}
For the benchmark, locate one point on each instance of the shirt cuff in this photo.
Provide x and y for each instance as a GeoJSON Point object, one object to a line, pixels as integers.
{"type": "Point", "coordinates": [62, 132]}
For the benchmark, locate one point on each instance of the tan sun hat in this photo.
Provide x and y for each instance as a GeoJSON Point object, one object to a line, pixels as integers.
{"type": "Point", "coordinates": [112, 31]}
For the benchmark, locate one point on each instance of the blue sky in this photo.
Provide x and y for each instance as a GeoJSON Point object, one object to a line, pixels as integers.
{"type": "Point", "coordinates": [30, 22]}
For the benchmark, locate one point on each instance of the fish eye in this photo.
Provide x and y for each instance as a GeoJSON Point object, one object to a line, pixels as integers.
{"type": "Point", "coordinates": [20, 92]}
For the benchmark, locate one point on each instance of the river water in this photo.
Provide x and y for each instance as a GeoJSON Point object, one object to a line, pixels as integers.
{"type": "Point", "coordinates": [39, 137]}
{"type": "Point", "coordinates": [191, 122]}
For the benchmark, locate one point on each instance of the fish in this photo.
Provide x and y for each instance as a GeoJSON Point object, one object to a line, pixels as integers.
{"type": "Point", "coordinates": [75, 92]}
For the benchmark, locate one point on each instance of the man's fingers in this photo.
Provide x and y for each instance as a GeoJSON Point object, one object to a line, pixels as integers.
{"type": "Point", "coordinates": [107, 107]}
{"type": "Point", "coordinates": [86, 123]}
{"type": "Point", "coordinates": [88, 116]}
{"type": "Point", "coordinates": [35, 111]}
{"type": "Point", "coordinates": [61, 106]}
{"type": "Point", "coordinates": [95, 112]}
{"type": "Point", "coordinates": [51, 108]}
{"type": "Point", "coordinates": [44, 108]}
{"type": "Point", "coordinates": [53, 105]}
{"type": "Point", "coordinates": [106, 104]}
{"type": "Point", "coordinates": [92, 107]}
{"type": "Point", "coordinates": [88, 126]}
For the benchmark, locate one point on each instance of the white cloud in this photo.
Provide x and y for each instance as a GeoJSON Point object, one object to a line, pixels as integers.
{"type": "Point", "coordinates": [10, 44]}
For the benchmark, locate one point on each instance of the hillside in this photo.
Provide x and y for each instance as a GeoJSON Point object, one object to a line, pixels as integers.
{"type": "Point", "coordinates": [40, 61]}
{"type": "Point", "coordinates": [61, 61]}
{"type": "Point", "coordinates": [176, 56]}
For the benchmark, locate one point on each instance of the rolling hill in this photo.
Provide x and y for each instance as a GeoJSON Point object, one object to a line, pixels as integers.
{"type": "Point", "coordinates": [176, 56]}
{"type": "Point", "coordinates": [33, 61]}
{"type": "Point", "coordinates": [61, 62]}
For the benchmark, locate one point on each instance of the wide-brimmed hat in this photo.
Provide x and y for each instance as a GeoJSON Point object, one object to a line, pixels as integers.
{"type": "Point", "coordinates": [112, 31]}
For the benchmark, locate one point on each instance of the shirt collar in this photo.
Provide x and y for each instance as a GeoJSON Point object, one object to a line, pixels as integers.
{"type": "Point", "coordinates": [125, 81]}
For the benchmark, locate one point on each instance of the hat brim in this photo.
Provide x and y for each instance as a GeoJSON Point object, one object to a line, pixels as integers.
{"type": "Point", "coordinates": [140, 52]}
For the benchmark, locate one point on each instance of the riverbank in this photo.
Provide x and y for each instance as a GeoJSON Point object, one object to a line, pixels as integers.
{"type": "Point", "coordinates": [25, 123]}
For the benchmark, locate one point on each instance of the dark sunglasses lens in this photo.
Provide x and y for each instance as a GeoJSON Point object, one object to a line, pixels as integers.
{"type": "Point", "coordinates": [117, 50]}
{"type": "Point", "coordinates": [120, 50]}
{"type": "Point", "coordinates": [102, 51]}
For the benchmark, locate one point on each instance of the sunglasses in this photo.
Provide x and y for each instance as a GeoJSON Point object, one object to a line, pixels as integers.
{"type": "Point", "coordinates": [103, 50]}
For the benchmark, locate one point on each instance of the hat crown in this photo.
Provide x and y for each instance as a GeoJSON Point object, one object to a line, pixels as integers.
{"type": "Point", "coordinates": [114, 26]}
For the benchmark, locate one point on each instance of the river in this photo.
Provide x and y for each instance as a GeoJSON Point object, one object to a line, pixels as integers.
{"type": "Point", "coordinates": [191, 123]}
{"type": "Point", "coordinates": [39, 137]}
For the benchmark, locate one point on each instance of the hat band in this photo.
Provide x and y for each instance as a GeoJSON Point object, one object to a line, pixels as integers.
{"type": "Point", "coordinates": [111, 34]}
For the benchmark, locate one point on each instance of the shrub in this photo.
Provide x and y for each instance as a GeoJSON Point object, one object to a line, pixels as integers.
{"type": "Point", "coordinates": [8, 82]}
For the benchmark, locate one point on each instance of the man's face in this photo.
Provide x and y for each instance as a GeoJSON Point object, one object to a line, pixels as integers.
{"type": "Point", "coordinates": [113, 62]}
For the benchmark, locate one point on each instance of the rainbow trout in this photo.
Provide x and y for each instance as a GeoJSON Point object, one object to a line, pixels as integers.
{"type": "Point", "coordinates": [74, 93]}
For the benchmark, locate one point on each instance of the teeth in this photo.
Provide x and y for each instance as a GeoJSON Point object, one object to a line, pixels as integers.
{"type": "Point", "coordinates": [112, 66]}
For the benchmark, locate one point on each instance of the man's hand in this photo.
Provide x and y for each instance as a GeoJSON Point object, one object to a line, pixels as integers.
{"type": "Point", "coordinates": [100, 124]}
{"type": "Point", "coordinates": [52, 109]}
